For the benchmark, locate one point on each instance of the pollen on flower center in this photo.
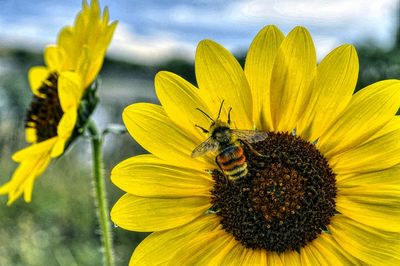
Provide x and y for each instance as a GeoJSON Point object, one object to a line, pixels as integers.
{"type": "Point", "coordinates": [277, 192]}
{"type": "Point", "coordinates": [284, 202]}
{"type": "Point", "coordinates": [45, 112]}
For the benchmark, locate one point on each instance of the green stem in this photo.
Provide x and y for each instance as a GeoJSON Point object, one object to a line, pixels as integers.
{"type": "Point", "coordinates": [101, 195]}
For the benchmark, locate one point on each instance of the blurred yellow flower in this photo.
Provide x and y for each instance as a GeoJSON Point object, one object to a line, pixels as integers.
{"type": "Point", "coordinates": [326, 191]}
{"type": "Point", "coordinates": [72, 64]}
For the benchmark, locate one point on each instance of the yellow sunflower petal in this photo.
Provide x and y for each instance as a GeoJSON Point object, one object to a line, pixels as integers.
{"type": "Point", "coordinates": [220, 77]}
{"type": "Point", "coordinates": [294, 68]}
{"type": "Point", "coordinates": [368, 111]}
{"type": "Point", "coordinates": [331, 92]}
{"type": "Point", "coordinates": [307, 257]}
{"type": "Point", "coordinates": [367, 244]}
{"type": "Point", "coordinates": [67, 123]}
{"type": "Point", "coordinates": [180, 99]}
{"type": "Point", "coordinates": [153, 130]}
{"type": "Point", "coordinates": [235, 255]}
{"type": "Point", "coordinates": [96, 33]}
{"type": "Point", "coordinates": [37, 75]}
{"type": "Point", "coordinates": [64, 130]}
{"type": "Point", "coordinates": [160, 247]}
{"type": "Point", "coordinates": [69, 90]}
{"type": "Point", "coordinates": [23, 178]}
{"type": "Point", "coordinates": [66, 41]}
{"type": "Point", "coordinates": [324, 251]}
{"type": "Point", "coordinates": [273, 259]}
{"type": "Point", "coordinates": [205, 249]}
{"type": "Point", "coordinates": [96, 57]}
{"type": "Point", "coordinates": [54, 57]}
{"type": "Point", "coordinates": [290, 258]}
{"type": "Point", "coordinates": [156, 214]}
{"type": "Point", "coordinates": [41, 165]}
{"type": "Point", "coordinates": [256, 257]}
{"type": "Point", "coordinates": [58, 148]}
{"type": "Point", "coordinates": [30, 134]}
{"type": "Point", "coordinates": [377, 206]}
{"type": "Point", "coordinates": [380, 153]}
{"type": "Point", "coordinates": [90, 62]}
{"type": "Point", "coordinates": [243, 256]}
{"type": "Point", "coordinates": [83, 66]}
{"type": "Point", "coordinates": [332, 251]}
{"type": "Point", "coordinates": [258, 68]}
{"type": "Point", "coordinates": [388, 176]}
{"type": "Point", "coordinates": [148, 176]}
{"type": "Point", "coordinates": [85, 42]}
{"type": "Point", "coordinates": [34, 150]}
{"type": "Point", "coordinates": [392, 125]}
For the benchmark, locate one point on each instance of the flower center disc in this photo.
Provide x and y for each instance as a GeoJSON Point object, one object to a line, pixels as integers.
{"type": "Point", "coordinates": [284, 202]}
{"type": "Point", "coordinates": [45, 111]}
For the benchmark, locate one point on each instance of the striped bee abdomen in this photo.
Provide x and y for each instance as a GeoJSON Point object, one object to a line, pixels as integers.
{"type": "Point", "coordinates": [232, 161]}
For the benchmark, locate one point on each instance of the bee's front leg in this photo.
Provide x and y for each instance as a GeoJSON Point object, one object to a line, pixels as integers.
{"type": "Point", "coordinates": [251, 148]}
{"type": "Point", "coordinates": [220, 168]}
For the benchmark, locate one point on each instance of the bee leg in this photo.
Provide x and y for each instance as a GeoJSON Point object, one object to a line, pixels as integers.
{"type": "Point", "coordinates": [251, 148]}
{"type": "Point", "coordinates": [220, 168]}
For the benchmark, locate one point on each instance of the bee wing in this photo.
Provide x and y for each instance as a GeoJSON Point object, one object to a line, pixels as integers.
{"type": "Point", "coordinates": [250, 135]}
{"type": "Point", "coordinates": [206, 146]}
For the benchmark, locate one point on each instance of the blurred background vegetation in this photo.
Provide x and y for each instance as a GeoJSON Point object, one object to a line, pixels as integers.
{"type": "Point", "coordinates": [59, 227]}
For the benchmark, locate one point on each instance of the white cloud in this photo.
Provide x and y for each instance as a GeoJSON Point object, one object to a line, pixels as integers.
{"type": "Point", "coordinates": [127, 45]}
{"type": "Point", "coordinates": [159, 32]}
{"type": "Point", "coordinates": [331, 23]}
{"type": "Point", "coordinates": [349, 21]}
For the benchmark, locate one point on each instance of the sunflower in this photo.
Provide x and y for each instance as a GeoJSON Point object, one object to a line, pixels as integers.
{"type": "Point", "coordinates": [72, 64]}
{"type": "Point", "coordinates": [321, 189]}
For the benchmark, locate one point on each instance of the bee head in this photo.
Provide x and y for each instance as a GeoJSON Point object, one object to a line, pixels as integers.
{"type": "Point", "coordinates": [219, 130]}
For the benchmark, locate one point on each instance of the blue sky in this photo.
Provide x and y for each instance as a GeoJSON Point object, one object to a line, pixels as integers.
{"type": "Point", "coordinates": [152, 31]}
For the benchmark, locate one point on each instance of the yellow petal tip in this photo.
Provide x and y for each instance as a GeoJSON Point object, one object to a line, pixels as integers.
{"type": "Point", "coordinates": [270, 27]}
{"type": "Point", "coordinates": [300, 31]}
{"type": "Point", "coordinates": [162, 74]}
{"type": "Point", "coordinates": [207, 44]}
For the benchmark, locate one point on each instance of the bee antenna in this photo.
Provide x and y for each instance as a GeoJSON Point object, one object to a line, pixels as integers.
{"type": "Point", "coordinates": [220, 108]}
{"type": "Point", "coordinates": [202, 128]}
{"type": "Point", "coordinates": [229, 115]}
{"type": "Point", "coordinates": [205, 114]}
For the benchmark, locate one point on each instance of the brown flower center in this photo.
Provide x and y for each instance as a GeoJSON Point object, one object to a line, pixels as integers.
{"type": "Point", "coordinates": [45, 111]}
{"type": "Point", "coordinates": [284, 202]}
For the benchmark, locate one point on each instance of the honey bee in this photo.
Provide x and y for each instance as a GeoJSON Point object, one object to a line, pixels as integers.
{"type": "Point", "coordinates": [227, 143]}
